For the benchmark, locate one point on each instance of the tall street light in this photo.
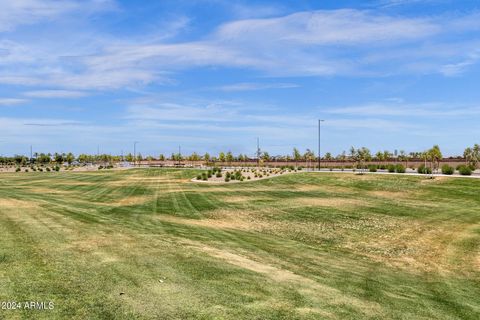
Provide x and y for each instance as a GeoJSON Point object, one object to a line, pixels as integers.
{"type": "Point", "coordinates": [319, 136]}
{"type": "Point", "coordinates": [135, 153]}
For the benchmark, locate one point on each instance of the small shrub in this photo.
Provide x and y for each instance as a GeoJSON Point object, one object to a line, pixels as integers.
{"type": "Point", "coordinates": [227, 179]}
{"type": "Point", "coordinates": [372, 168]}
{"type": "Point", "coordinates": [199, 177]}
{"type": "Point", "coordinates": [218, 175]}
{"type": "Point", "coordinates": [17, 170]}
{"type": "Point", "coordinates": [424, 170]}
{"type": "Point", "coordinates": [446, 169]}
{"type": "Point", "coordinates": [47, 169]}
{"type": "Point", "coordinates": [26, 170]}
{"type": "Point", "coordinates": [248, 178]}
{"type": "Point", "coordinates": [400, 168]}
{"type": "Point", "coordinates": [100, 167]}
{"type": "Point", "coordinates": [382, 167]}
{"type": "Point", "coordinates": [465, 170]}
{"type": "Point", "coordinates": [391, 168]}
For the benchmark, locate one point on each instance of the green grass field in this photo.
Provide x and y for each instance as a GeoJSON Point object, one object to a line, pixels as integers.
{"type": "Point", "coordinates": [150, 244]}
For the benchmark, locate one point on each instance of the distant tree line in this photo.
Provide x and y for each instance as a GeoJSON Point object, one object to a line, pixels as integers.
{"type": "Point", "coordinates": [360, 156]}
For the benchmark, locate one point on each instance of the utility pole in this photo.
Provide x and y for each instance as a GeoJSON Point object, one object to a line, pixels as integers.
{"type": "Point", "coordinates": [319, 136]}
{"type": "Point", "coordinates": [31, 154]}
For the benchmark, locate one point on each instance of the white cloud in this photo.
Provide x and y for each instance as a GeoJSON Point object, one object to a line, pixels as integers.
{"type": "Point", "coordinates": [344, 27]}
{"type": "Point", "coordinates": [406, 110]}
{"type": "Point", "coordinates": [11, 101]}
{"type": "Point", "coordinates": [249, 86]}
{"type": "Point", "coordinates": [317, 43]}
{"type": "Point", "coordinates": [55, 94]}
{"type": "Point", "coordinates": [454, 69]}
{"type": "Point", "coordinates": [14, 13]}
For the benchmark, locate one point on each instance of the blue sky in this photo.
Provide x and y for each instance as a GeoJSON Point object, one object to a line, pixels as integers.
{"type": "Point", "coordinates": [213, 75]}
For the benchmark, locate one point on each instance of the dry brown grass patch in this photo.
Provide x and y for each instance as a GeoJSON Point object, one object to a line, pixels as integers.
{"type": "Point", "coordinates": [132, 200]}
{"type": "Point", "coordinates": [329, 202]}
{"type": "Point", "coordinates": [17, 204]}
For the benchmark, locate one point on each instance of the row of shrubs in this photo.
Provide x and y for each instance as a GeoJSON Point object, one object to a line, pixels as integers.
{"type": "Point", "coordinates": [464, 170]}
{"type": "Point", "coordinates": [446, 169]}
{"type": "Point", "coordinates": [399, 168]}
{"type": "Point", "coordinates": [40, 169]}
{"type": "Point", "coordinates": [291, 168]}
{"type": "Point", "coordinates": [235, 175]}
{"type": "Point", "coordinates": [105, 167]}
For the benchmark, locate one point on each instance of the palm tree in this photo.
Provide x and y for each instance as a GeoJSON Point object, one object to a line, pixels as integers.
{"type": "Point", "coordinates": [296, 156]}
{"type": "Point", "coordinates": [403, 157]}
{"type": "Point", "coordinates": [435, 156]}
{"type": "Point", "coordinates": [309, 156]}
{"type": "Point", "coordinates": [206, 157]}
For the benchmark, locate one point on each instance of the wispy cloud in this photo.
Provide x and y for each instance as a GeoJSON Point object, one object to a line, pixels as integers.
{"type": "Point", "coordinates": [249, 86]}
{"type": "Point", "coordinates": [11, 101]}
{"type": "Point", "coordinates": [22, 12]}
{"type": "Point", "coordinates": [402, 110]}
{"type": "Point", "coordinates": [315, 43]}
{"type": "Point", "coordinates": [55, 94]}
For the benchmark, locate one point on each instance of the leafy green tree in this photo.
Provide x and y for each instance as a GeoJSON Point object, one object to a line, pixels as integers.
{"type": "Point", "coordinates": [70, 158]}
{"type": "Point", "coordinates": [59, 158]}
{"type": "Point", "coordinates": [265, 156]}
{"type": "Point", "coordinates": [229, 157]}
{"type": "Point", "coordinates": [221, 157]}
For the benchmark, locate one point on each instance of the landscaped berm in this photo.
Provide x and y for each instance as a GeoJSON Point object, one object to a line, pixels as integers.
{"type": "Point", "coordinates": [152, 244]}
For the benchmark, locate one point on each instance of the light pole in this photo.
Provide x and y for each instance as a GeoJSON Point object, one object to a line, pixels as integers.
{"type": "Point", "coordinates": [319, 136]}
{"type": "Point", "coordinates": [135, 153]}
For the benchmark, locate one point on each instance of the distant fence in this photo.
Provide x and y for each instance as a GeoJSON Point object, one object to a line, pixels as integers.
{"type": "Point", "coordinates": [412, 163]}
